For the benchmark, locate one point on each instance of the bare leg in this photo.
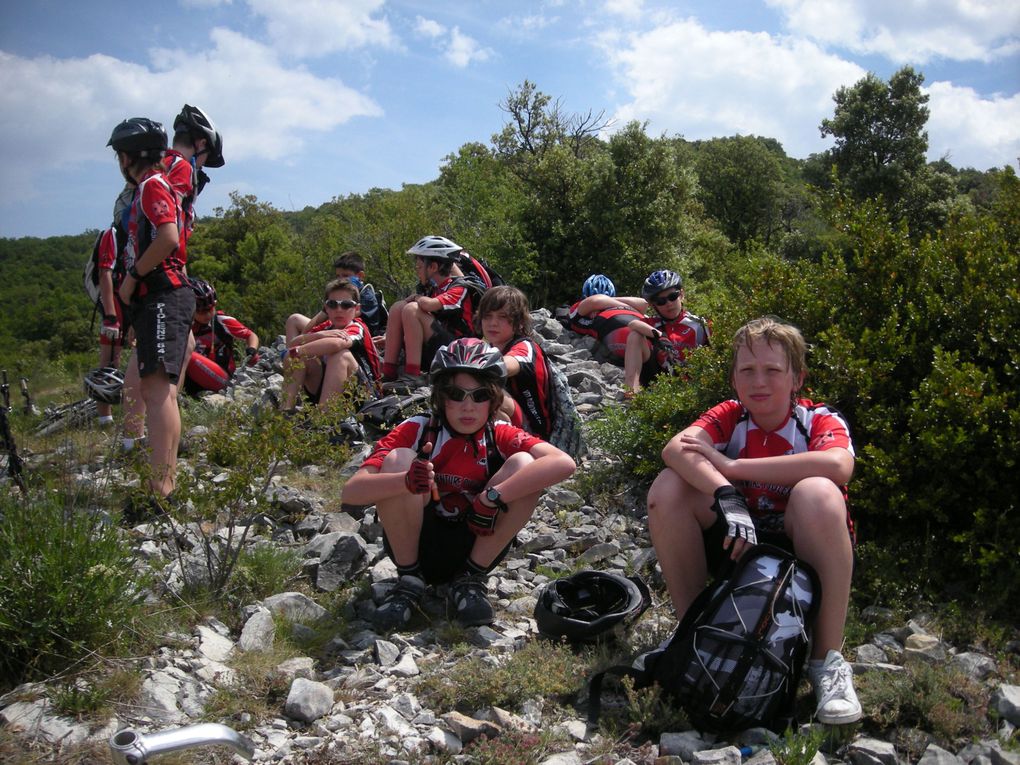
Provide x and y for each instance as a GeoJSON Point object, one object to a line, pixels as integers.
{"type": "Point", "coordinates": [677, 514]}
{"type": "Point", "coordinates": [417, 329]}
{"type": "Point", "coordinates": [109, 356]}
{"type": "Point", "coordinates": [164, 423]}
{"type": "Point", "coordinates": [401, 517]}
{"type": "Point", "coordinates": [134, 403]}
{"type": "Point", "coordinates": [639, 350]}
{"type": "Point", "coordinates": [816, 522]}
{"type": "Point", "coordinates": [518, 513]}
{"type": "Point", "coordinates": [295, 325]}
{"type": "Point", "coordinates": [339, 368]}
{"type": "Point", "coordinates": [394, 332]}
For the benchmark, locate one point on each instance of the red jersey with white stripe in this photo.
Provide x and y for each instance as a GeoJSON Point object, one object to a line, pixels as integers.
{"type": "Point", "coordinates": [686, 332]}
{"type": "Point", "coordinates": [154, 205]}
{"type": "Point", "coordinates": [531, 388]}
{"type": "Point", "coordinates": [180, 174]}
{"type": "Point", "coordinates": [609, 326]}
{"type": "Point", "coordinates": [810, 427]}
{"type": "Point", "coordinates": [215, 339]}
{"type": "Point", "coordinates": [460, 462]}
{"type": "Point", "coordinates": [457, 310]}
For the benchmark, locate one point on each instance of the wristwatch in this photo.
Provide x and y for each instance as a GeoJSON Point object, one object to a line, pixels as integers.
{"type": "Point", "coordinates": [493, 496]}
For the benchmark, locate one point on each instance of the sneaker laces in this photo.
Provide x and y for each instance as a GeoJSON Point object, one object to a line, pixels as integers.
{"type": "Point", "coordinates": [835, 682]}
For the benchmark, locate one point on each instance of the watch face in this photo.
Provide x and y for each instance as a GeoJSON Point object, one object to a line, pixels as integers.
{"type": "Point", "coordinates": [492, 494]}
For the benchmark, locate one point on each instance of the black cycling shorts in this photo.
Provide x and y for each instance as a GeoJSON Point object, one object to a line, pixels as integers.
{"type": "Point", "coordinates": [444, 547]}
{"type": "Point", "coordinates": [162, 322]}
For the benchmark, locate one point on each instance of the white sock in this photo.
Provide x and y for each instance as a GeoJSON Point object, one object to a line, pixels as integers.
{"type": "Point", "coordinates": [106, 419]}
{"type": "Point", "coordinates": [127, 444]}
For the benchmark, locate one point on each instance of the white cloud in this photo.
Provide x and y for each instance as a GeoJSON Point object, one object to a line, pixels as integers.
{"type": "Point", "coordinates": [316, 27]}
{"type": "Point", "coordinates": [428, 28]}
{"type": "Point", "coordinates": [973, 131]}
{"type": "Point", "coordinates": [910, 31]}
{"type": "Point", "coordinates": [687, 80]}
{"type": "Point", "coordinates": [457, 48]}
{"type": "Point", "coordinates": [55, 113]}
{"type": "Point", "coordinates": [628, 9]}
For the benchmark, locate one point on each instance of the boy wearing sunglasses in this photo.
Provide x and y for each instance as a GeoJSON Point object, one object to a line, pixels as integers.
{"type": "Point", "coordinates": [661, 342]}
{"type": "Point", "coordinates": [453, 488]}
{"type": "Point", "coordinates": [322, 360]}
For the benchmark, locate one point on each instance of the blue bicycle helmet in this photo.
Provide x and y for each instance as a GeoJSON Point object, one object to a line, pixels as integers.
{"type": "Point", "coordinates": [598, 284]}
{"type": "Point", "coordinates": [658, 281]}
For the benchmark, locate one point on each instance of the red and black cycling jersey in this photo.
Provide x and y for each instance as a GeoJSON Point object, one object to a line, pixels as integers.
{"type": "Point", "coordinates": [684, 333]}
{"type": "Point", "coordinates": [461, 462]}
{"type": "Point", "coordinates": [531, 387]}
{"type": "Point", "coordinates": [154, 204]}
{"type": "Point", "coordinates": [601, 323]}
{"type": "Point", "coordinates": [456, 313]}
{"type": "Point", "coordinates": [215, 340]}
{"type": "Point", "coordinates": [180, 174]}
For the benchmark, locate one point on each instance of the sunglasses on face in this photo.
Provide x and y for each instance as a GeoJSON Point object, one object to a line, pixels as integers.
{"type": "Point", "coordinates": [345, 304]}
{"type": "Point", "coordinates": [667, 298]}
{"type": "Point", "coordinates": [477, 395]}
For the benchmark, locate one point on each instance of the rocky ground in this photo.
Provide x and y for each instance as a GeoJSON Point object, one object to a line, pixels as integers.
{"type": "Point", "coordinates": [358, 696]}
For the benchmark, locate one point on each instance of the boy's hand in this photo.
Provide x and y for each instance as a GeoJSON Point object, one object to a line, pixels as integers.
{"type": "Point", "coordinates": [481, 518]}
{"type": "Point", "coordinates": [731, 506]}
{"type": "Point", "coordinates": [420, 477]}
{"type": "Point", "coordinates": [253, 356]}
{"type": "Point", "coordinates": [110, 328]}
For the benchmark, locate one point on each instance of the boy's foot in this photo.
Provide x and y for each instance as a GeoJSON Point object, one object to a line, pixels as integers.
{"type": "Point", "coordinates": [398, 605]}
{"type": "Point", "coordinates": [147, 507]}
{"type": "Point", "coordinates": [833, 682]}
{"type": "Point", "coordinates": [468, 601]}
{"type": "Point", "coordinates": [406, 383]}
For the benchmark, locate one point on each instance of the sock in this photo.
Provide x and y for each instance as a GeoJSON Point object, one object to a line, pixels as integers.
{"type": "Point", "coordinates": [106, 419]}
{"type": "Point", "coordinates": [412, 370]}
{"type": "Point", "coordinates": [413, 570]}
{"type": "Point", "coordinates": [389, 370]}
{"type": "Point", "coordinates": [127, 444]}
{"type": "Point", "coordinates": [473, 569]}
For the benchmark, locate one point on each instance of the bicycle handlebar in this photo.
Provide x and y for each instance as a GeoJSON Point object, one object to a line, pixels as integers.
{"type": "Point", "coordinates": [129, 747]}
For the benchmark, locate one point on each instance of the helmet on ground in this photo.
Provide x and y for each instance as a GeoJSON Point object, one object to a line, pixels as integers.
{"type": "Point", "coordinates": [468, 354]}
{"type": "Point", "coordinates": [438, 247]}
{"type": "Point", "coordinates": [104, 385]}
{"type": "Point", "coordinates": [205, 294]}
{"type": "Point", "coordinates": [584, 606]}
{"type": "Point", "coordinates": [598, 284]}
{"type": "Point", "coordinates": [658, 281]}
{"type": "Point", "coordinates": [139, 135]}
{"type": "Point", "coordinates": [194, 121]}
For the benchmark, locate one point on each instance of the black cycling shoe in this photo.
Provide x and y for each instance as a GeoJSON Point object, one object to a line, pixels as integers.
{"type": "Point", "coordinates": [147, 507]}
{"type": "Point", "coordinates": [468, 601]}
{"type": "Point", "coordinates": [399, 604]}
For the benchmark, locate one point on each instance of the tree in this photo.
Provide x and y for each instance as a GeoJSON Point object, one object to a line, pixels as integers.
{"type": "Point", "coordinates": [879, 132]}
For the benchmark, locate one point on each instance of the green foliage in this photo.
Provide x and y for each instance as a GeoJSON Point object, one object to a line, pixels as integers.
{"type": "Point", "coordinates": [511, 747]}
{"type": "Point", "coordinates": [67, 586]}
{"type": "Point", "coordinates": [538, 669]}
{"type": "Point", "coordinates": [263, 571]}
{"type": "Point", "coordinates": [796, 748]}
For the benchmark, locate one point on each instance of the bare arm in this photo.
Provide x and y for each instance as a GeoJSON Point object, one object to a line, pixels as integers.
{"type": "Point", "coordinates": [315, 321]}
{"type": "Point", "coordinates": [106, 296]}
{"type": "Point", "coordinates": [427, 304]}
{"type": "Point", "coordinates": [596, 303]}
{"type": "Point", "coordinates": [642, 328]}
{"type": "Point", "coordinates": [551, 466]}
{"type": "Point", "coordinates": [368, 486]}
{"type": "Point", "coordinates": [836, 464]}
{"type": "Point", "coordinates": [690, 464]}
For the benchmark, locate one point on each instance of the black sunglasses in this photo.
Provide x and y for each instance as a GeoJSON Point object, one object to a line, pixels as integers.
{"type": "Point", "coordinates": [667, 299]}
{"type": "Point", "coordinates": [458, 394]}
{"type": "Point", "coordinates": [345, 304]}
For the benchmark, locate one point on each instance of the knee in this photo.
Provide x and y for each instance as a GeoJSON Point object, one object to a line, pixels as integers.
{"type": "Point", "coordinates": [397, 461]}
{"type": "Point", "coordinates": [817, 502]}
{"type": "Point", "coordinates": [665, 496]}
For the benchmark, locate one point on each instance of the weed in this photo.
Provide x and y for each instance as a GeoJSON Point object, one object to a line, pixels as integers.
{"type": "Point", "coordinates": [511, 747]}
{"type": "Point", "coordinates": [798, 748]}
{"type": "Point", "coordinates": [259, 690]}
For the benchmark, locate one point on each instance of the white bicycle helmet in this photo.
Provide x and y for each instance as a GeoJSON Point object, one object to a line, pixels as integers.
{"type": "Point", "coordinates": [438, 247]}
{"type": "Point", "coordinates": [104, 385]}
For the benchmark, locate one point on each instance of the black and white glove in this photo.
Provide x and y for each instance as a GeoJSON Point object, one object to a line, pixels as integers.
{"type": "Point", "coordinates": [732, 507]}
{"type": "Point", "coordinates": [110, 328]}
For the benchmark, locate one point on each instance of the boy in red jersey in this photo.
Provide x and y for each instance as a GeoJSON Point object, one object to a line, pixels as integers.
{"type": "Point", "coordinates": [766, 467]}
{"type": "Point", "coordinates": [604, 316]}
{"type": "Point", "coordinates": [661, 342]}
{"type": "Point", "coordinates": [453, 489]}
{"type": "Point", "coordinates": [114, 327]}
{"type": "Point", "coordinates": [506, 325]}
{"type": "Point", "coordinates": [322, 360]}
{"type": "Point", "coordinates": [212, 362]}
{"type": "Point", "coordinates": [158, 295]}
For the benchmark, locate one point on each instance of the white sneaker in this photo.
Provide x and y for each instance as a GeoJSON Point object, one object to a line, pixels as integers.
{"type": "Point", "coordinates": [834, 691]}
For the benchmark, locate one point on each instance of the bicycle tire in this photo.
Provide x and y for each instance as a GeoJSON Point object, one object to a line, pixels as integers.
{"type": "Point", "coordinates": [66, 416]}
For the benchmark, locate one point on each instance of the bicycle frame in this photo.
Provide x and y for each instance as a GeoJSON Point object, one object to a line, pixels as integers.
{"type": "Point", "coordinates": [129, 747]}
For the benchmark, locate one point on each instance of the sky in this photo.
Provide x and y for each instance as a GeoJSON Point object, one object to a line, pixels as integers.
{"type": "Point", "coordinates": [318, 99]}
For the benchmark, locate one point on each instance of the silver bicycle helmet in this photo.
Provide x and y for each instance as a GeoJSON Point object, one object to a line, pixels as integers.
{"type": "Point", "coordinates": [438, 247]}
{"type": "Point", "coordinates": [104, 385]}
{"type": "Point", "coordinates": [194, 121]}
{"type": "Point", "coordinates": [468, 354]}
{"type": "Point", "coordinates": [658, 281]}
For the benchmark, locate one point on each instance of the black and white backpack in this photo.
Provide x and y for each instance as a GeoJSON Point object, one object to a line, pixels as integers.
{"type": "Point", "coordinates": [735, 660]}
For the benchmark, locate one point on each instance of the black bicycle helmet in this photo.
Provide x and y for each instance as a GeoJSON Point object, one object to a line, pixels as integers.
{"type": "Point", "coordinates": [139, 135]}
{"type": "Point", "coordinates": [584, 606]}
{"type": "Point", "coordinates": [598, 284]}
{"type": "Point", "coordinates": [658, 281]}
{"type": "Point", "coordinates": [104, 385]}
{"type": "Point", "coordinates": [195, 123]}
{"type": "Point", "coordinates": [437, 247]}
{"type": "Point", "coordinates": [468, 354]}
{"type": "Point", "coordinates": [205, 294]}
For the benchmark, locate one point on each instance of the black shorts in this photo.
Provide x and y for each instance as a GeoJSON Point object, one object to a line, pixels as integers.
{"type": "Point", "coordinates": [162, 322]}
{"type": "Point", "coordinates": [444, 547]}
{"type": "Point", "coordinates": [651, 368]}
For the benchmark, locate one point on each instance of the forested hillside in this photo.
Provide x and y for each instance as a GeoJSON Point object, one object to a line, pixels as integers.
{"type": "Point", "coordinates": [902, 273]}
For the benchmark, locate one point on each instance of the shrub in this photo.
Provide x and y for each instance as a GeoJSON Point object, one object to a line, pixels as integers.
{"type": "Point", "coordinates": [67, 586]}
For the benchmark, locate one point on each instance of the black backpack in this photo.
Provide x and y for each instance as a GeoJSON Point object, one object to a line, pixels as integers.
{"type": "Point", "coordinates": [735, 660]}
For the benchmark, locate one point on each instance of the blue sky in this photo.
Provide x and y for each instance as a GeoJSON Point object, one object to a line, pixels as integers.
{"type": "Point", "coordinates": [322, 98]}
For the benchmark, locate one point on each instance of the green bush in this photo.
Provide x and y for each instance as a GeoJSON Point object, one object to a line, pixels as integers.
{"type": "Point", "coordinates": [67, 586]}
